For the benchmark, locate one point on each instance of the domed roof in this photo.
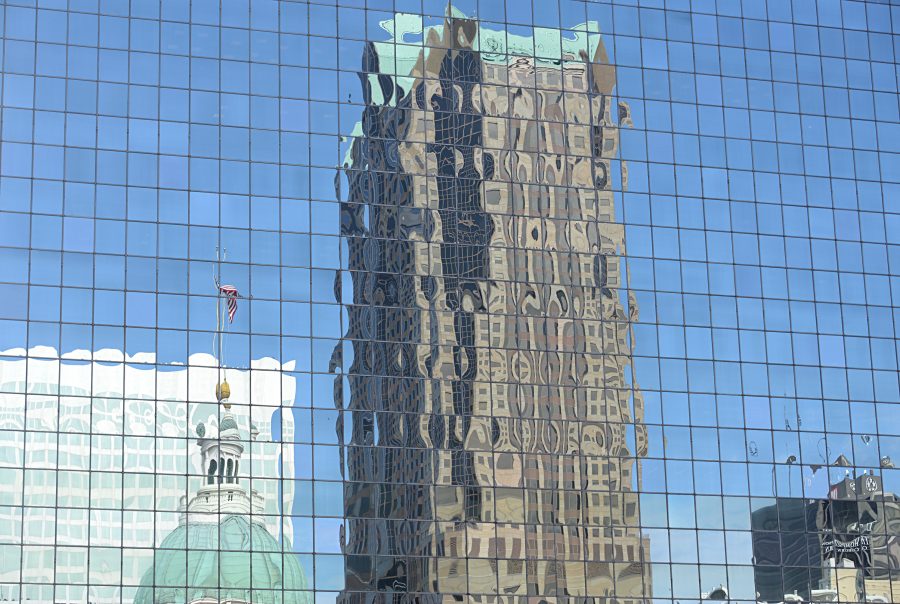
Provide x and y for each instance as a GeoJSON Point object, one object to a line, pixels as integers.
{"type": "Point", "coordinates": [228, 423]}
{"type": "Point", "coordinates": [215, 561]}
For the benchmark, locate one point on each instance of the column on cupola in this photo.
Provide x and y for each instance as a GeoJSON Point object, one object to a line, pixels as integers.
{"type": "Point", "coordinates": [221, 456]}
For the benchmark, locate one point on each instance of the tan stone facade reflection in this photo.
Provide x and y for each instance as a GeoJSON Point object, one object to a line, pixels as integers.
{"type": "Point", "coordinates": [512, 313]}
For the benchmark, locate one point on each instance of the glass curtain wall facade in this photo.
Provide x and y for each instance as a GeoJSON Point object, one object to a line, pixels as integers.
{"type": "Point", "coordinates": [382, 301]}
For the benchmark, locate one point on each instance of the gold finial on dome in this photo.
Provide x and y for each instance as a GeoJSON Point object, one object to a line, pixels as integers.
{"type": "Point", "coordinates": [223, 392]}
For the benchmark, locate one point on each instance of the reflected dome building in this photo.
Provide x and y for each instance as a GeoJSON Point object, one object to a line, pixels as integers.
{"type": "Point", "coordinates": [216, 563]}
{"type": "Point", "coordinates": [221, 550]}
{"type": "Point", "coordinates": [153, 498]}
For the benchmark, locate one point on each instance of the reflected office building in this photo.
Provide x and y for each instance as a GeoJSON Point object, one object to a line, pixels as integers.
{"type": "Point", "coordinates": [492, 428]}
{"type": "Point", "coordinates": [841, 549]}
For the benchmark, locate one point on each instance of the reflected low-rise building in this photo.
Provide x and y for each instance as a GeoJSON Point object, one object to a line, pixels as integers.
{"type": "Point", "coordinates": [842, 549]}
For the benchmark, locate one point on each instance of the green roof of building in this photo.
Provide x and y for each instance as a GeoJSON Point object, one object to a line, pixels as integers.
{"type": "Point", "coordinates": [228, 423]}
{"type": "Point", "coordinates": [547, 46]}
{"type": "Point", "coordinates": [234, 559]}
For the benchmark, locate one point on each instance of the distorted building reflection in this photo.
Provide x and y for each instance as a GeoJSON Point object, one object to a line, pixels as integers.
{"type": "Point", "coordinates": [493, 427]}
{"type": "Point", "coordinates": [844, 548]}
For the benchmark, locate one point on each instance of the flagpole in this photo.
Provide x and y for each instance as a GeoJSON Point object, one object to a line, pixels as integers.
{"type": "Point", "coordinates": [223, 390]}
{"type": "Point", "coordinates": [224, 325]}
{"type": "Point", "coordinates": [218, 339]}
{"type": "Point", "coordinates": [219, 318]}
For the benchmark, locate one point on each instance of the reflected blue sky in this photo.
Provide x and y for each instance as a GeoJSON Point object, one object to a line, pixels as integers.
{"type": "Point", "coordinates": [744, 229]}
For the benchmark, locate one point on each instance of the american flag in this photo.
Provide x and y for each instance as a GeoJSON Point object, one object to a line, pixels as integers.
{"type": "Point", "coordinates": [231, 297]}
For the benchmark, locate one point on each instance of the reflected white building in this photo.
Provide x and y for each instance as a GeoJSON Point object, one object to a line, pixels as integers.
{"type": "Point", "coordinates": [98, 459]}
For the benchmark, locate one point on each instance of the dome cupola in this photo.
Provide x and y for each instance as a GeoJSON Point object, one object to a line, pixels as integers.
{"type": "Point", "coordinates": [221, 454]}
{"type": "Point", "coordinates": [221, 551]}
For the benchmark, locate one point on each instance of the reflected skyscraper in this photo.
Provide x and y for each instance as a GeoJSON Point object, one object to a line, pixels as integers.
{"type": "Point", "coordinates": [493, 428]}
